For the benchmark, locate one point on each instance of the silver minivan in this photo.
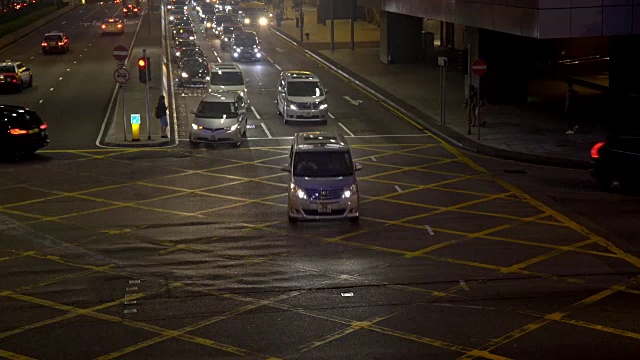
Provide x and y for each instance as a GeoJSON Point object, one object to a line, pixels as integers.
{"type": "Point", "coordinates": [220, 118]}
{"type": "Point", "coordinates": [228, 77]}
{"type": "Point", "coordinates": [323, 183]}
{"type": "Point", "coordinates": [301, 97]}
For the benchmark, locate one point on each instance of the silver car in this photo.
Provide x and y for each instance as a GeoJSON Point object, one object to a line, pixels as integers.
{"type": "Point", "coordinates": [301, 97]}
{"type": "Point", "coordinates": [220, 118]}
{"type": "Point", "coordinates": [323, 182]}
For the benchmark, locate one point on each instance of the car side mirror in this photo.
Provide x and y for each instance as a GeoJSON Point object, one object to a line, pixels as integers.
{"type": "Point", "coordinates": [326, 91]}
{"type": "Point", "coordinates": [357, 167]}
{"type": "Point", "coordinates": [286, 167]}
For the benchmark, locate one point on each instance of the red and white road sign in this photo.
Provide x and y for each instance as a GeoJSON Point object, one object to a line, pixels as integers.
{"type": "Point", "coordinates": [120, 53]}
{"type": "Point", "coordinates": [479, 67]}
{"type": "Point", "coordinates": [121, 75]}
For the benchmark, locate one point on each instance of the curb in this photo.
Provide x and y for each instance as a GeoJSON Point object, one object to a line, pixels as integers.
{"type": "Point", "coordinates": [430, 124]}
{"type": "Point", "coordinates": [132, 144]}
{"type": "Point", "coordinates": [24, 31]}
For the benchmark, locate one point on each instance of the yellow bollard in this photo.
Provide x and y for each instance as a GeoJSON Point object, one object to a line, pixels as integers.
{"type": "Point", "coordinates": [135, 127]}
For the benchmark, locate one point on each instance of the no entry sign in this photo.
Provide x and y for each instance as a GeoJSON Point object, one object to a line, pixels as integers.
{"type": "Point", "coordinates": [479, 67]}
{"type": "Point", "coordinates": [120, 53]}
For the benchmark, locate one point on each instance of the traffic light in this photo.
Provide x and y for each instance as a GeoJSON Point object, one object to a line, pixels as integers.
{"type": "Point", "coordinates": [144, 70]}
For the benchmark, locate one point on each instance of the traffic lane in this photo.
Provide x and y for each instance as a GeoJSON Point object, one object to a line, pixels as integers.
{"type": "Point", "coordinates": [575, 192]}
{"type": "Point", "coordinates": [85, 92]}
{"type": "Point", "coordinates": [48, 69]}
{"type": "Point", "coordinates": [263, 93]}
{"type": "Point", "coordinates": [143, 236]}
{"type": "Point", "coordinates": [351, 106]}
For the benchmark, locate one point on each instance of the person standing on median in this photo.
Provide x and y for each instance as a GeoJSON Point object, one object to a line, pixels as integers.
{"type": "Point", "coordinates": [161, 113]}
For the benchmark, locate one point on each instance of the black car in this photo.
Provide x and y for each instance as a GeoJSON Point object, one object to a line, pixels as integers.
{"type": "Point", "coordinates": [616, 160]}
{"type": "Point", "coordinates": [194, 73]}
{"type": "Point", "coordinates": [227, 32]}
{"type": "Point", "coordinates": [21, 130]}
{"type": "Point", "coordinates": [189, 52]}
{"type": "Point", "coordinates": [185, 33]}
{"type": "Point", "coordinates": [245, 46]}
{"type": "Point", "coordinates": [208, 23]}
{"type": "Point", "coordinates": [181, 22]}
{"type": "Point", "coordinates": [220, 19]}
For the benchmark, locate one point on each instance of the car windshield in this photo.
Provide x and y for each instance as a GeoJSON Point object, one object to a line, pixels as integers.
{"type": "Point", "coordinates": [318, 164]}
{"type": "Point", "coordinates": [23, 118]}
{"type": "Point", "coordinates": [254, 13]}
{"type": "Point", "coordinates": [53, 38]}
{"type": "Point", "coordinates": [217, 110]}
{"type": "Point", "coordinates": [182, 23]}
{"type": "Point", "coordinates": [245, 39]}
{"type": "Point", "coordinates": [229, 30]}
{"type": "Point", "coordinates": [304, 88]}
{"type": "Point", "coordinates": [227, 78]}
{"type": "Point", "coordinates": [195, 63]}
{"type": "Point", "coordinates": [223, 19]}
{"type": "Point", "coordinates": [192, 53]}
{"type": "Point", "coordinates": [7, 69]}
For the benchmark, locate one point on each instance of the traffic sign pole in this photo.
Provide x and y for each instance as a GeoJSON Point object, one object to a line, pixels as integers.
{"type": "Point", "coordinates": [146, 91]}
{"type": "Point", "coordinates": [479, 68]}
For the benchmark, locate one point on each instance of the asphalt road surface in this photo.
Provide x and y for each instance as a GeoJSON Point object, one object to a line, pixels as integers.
{"type": "Point", "coordinates": [180, 253]}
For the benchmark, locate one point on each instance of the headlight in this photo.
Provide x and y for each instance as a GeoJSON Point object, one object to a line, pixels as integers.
{"type": "Point", "coordinates": [177, 53]}
{"type": "Point", "coordinates": [226, 39]}
{"type": "Point", "coordinates": [233, 127]}
{"type": "Point", "coordinates": [256, 50]}
{"type": "Point", "coordinates": [192, 37]}
{"type": "Point", "coordinates": [209, 25]}
{"type": "Point", "coordinates": [171, 18]}
{"type": "Point", "coordinates": [350, 191]}
{"type": "Point", "coordinates": [247, 21]}
{"type": "Point", "coordinates": [293, 107]}
{"type": "Point", "coordinates": [263, 21]}
{"type": "Point", "coordinates": [323, 106]}
{"type": "Point", "coordinates": [185, 75]}
{"type": "Point", "coordinates": [235, 54]}
{"type": "Point", "coordinates": [196, 127]}
{"type": "Point", "coordinates": [298, 191]}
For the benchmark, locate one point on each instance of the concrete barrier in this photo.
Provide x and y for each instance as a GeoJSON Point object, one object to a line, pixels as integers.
{"type": "Point", "coordinates": [22, 32]}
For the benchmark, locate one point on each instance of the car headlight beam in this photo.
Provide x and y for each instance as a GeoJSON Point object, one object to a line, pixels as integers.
{"type": "Point", "coordinates": [350, 191]}
{"type": "Point", "coordinates": [185, 75]}
{"type": "Point", "coordinates": [263, 21]}
{"type": "Point", "coordinates": [293, 107]}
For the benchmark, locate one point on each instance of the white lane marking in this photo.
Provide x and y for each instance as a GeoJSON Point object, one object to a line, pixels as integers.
{"type": "Point", "coordinates": [264, 127]}
{"type": "Point", "coordinates": [131, 302]}
{"type": "Point", "coordinates": [280, 50]}
{"type": "Point", "coordinates": [132, 288]}
{"type": "Point", "coordinates": [429, 229]}
{"type": "Point", "coordinates": [32, 57]}
{"type": "Point", "coordinates": [255, 113]}
{"type": "Point", "coordinates": [51, 89]}
{"type": "Point", "coordinates": [277, 67]}
{"type": "Point", "coordinates": [40, 102]}
{"type": "Point", "coordinates": [64, 22]}
{"type": "Point", "coordinates": [374, 159]}
{"type": "Point", "coordinates": [60, 78]}
{"type": "Point", "coordinates": [68, 69]}
{"type": "Point", "coordinates": [331, 116]}
{"type": "Point", "coordinates": [398, 188]}
{"type": "Point", "coordinates": [218, 59]}
{"type": "Point", "coordinates": [130, 311]}
{"type": "Point", "coordinates": [134, 281]}
{"type": "Point", "coordinates": [75, 62]}
{"type": "Point", "coordinates": [346, 294]}
{"type": "Point", "coordinates": [464, 285]}
{"type": "Point", "coordinates": [345, 129]}
{"type": "Point", "coordinates": [80, 55]}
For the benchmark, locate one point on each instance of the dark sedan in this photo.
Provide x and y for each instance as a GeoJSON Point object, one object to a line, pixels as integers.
{"type": "Point", "coordinates": [194, 73]}
{"type": "Point", "coordinates": [189, 52]}
{"type": "Point", "coordinates": [21, 130]}
{"type": "Point", "coordinates": [615, 161]}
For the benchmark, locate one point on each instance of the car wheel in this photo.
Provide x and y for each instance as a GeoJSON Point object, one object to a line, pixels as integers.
{"type": "Point", "coordinates": [278, 108]}
{"type": "Point", "coordinates": [284, 116]}
{"type": "Point", "coordinates": [354, 219]}
{"type": "Point", "coordinates": [20, 87]}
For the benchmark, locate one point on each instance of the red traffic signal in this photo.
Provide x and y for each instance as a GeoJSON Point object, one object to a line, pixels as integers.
{"type": "Point", "coordinates": [144, 73]}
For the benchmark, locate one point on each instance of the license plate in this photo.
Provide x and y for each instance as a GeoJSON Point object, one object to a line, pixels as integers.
{"type": "Point", "coordinates": [34, 131]}
{"type": "Point", "coordinates": [307, 114]}
{"type": "Point", "coordinates": [322, 208]}
{"type": "Point", "coordinates": [52, 43]}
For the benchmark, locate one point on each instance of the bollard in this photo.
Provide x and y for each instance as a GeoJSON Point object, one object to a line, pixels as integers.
{"type": "Point", "coordinates": [135, 127]}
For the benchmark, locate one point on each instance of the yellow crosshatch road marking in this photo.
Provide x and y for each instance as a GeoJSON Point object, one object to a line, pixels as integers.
{"type": "Point", "coordinates": [357, 325]}
{"type": "Point", "coordinates": [13, 356]}
{"type": "Point", "coordinates": [549, 318]}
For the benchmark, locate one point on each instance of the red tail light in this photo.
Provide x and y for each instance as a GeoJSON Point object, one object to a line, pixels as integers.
{"type": "Point", "coordinates": [44, 126]}
{"type": "Point", "coordinates": [61, 43]}
{"type": "Point", "coordinates": [18, 131]}
{"type": "Point", "coordinates": [595, 149]}
{"type": "Point", "coordinates": [104, 26]}
{"type": "Point", "coordinates": [119, 25]}
{"type": "Point", "coordinates": [44, 43]}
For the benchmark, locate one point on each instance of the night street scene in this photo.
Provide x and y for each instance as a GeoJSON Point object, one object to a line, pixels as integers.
{"type": "Point", "coordinates": [319, 179]}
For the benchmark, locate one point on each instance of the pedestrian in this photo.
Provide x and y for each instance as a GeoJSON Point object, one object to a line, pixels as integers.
{"type": "Point", "coordinates": [471, 105]}
{"type": "Point", "coordinates": [570, 109]}
{"type": "Point", "coordinates": [161, 113]}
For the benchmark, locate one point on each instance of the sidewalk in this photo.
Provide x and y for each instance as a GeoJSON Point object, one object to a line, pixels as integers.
{"type": "Point", "coordinates": [135, 102]}
{"type": "Point", "coordinates": [531, 132]}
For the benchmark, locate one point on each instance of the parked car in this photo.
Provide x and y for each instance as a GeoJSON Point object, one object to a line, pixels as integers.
{"type": "Point", "coordinates": [616, 160]}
